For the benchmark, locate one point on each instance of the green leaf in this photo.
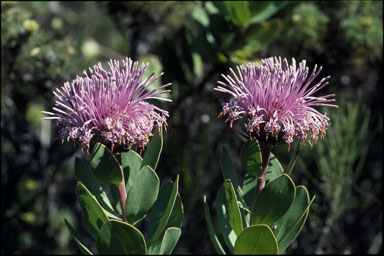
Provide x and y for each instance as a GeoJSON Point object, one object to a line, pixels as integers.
{"type": "Point", "coordinates": [260, 35]}
{"type": "Point", "coordinates": [211, 231]}
{"type": "Point", "coordinates": [292, 162]}
{"type": "Point", "coordinates": [176, 218]}
{"type": "Point", "coordinates": [250, 181]}
{"type": "Point", "coordinates": [93, 215]}
{"type": "Point", "coordinates": [258, 239]}
{"type": "Point", "coordinates": [115, 198]}
{"type": "Point", "coordinates": [142, 194]}
{"type": "Point", "coordinates": [274, 168]}
{"type": "Point", "coordinates": [170, 239]}
{"type": "Point", "coordinates": [288, 227]}
{"type": "Point", "coordinates": [233, 211]}
{"type": "Point", "coordinates": [250, 156]}
{"type": "Point", "coordinates": [238, 12]}
{"type": "Point", "coordinates": [152, 153]}
{"type": "Point", "coordinates": [274, 200]}
{"type": "Point", "coordinates": [105, 166]}
{"type": "Point", "coordinates": [84, 174]}
{"type": "Point", "coordinates": [131, 163]}
{"type": "Point", "coordinates": [76, 237]}
{"type": "Point", "coordinates": [227, 167]}
{"type": "Point", "coordinates": [162, 209]}
{"type": "Point", "coordinates": [222, 218]}
{"type": "Point", "coordinates": [117, 237]}
{"type": "Point", "coordinates": [261, 10]}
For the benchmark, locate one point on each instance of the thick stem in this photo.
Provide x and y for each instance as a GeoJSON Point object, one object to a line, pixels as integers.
{"type": "Point", "coordinates": [265, 152]}
{"type": "Point", "coordinates": [122, 192]}
{"type": "Point", "coordinates": [123, 198]}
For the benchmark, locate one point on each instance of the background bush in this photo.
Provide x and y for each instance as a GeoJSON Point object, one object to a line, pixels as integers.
{"type": "Point", "coordinates": [44, 44]}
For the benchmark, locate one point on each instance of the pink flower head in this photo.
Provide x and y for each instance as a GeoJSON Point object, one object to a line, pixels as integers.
{"type": "Point", "coordinates": [109, 106]}
{"type": "Point", "coordinates": [277, 100]}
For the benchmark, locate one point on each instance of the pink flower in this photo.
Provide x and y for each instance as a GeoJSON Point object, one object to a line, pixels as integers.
{"type": "Point", "coordinates": [109, 107]}
{"type": "Point", "coordinates": [277, 100]}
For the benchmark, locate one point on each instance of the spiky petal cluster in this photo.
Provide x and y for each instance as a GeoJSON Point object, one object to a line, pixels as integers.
{"type": "Point", "coordinates": [109, 106]}
{"type": "Point", "coordinates": [277, 98]}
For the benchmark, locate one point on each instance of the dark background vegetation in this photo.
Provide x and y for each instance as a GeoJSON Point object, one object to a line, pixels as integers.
{"type": "Point", "coordinates": [44, 44]}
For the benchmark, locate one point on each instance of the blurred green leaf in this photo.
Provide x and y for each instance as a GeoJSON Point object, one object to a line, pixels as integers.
{"type": "Point", "coordinates": [211, 231]}
{"type": "Point", "coordinates": [153, 151]}
{"type": "Point", "coordinates": [233, 211]}
{"type": "Point", "coordinates": [238, 12]}
{"type": "Point", "coordinates": [93, 215]}
{"type": "Point", "coordinates": [260, 35]}
{"type": "Point", "coordinates": [105, 166]}
{"type": "Point", "coordinates": [274, 200]}
{"type": "Point", "coordinates": [84, 174]}
{"type": "Point", "coordinates": [76, 237]}
{"type": "Point", "coordinates": [258, 239]}
{"type": "Point", "coordinates": [162, 209]}
{"type": "Point", "coordinates": [228, 169]}
{"type": "Point", "coordinates": [262, 10]}
{"type": "Point", "coordinates": [142, 194]}
{"type": "Point", "coordinates": [118, 237]}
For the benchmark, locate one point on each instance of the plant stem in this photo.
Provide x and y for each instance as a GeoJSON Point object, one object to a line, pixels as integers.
{"type": "Point", "coordinates": [122, 192]}
{"type": "Point", "coordinates": [123, 198]}
{"type": "Point", "coordinates": [265, 152]}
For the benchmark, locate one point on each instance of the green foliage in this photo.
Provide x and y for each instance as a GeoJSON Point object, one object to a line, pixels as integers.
{"type": "Point", "coordinates": [277, 213]}
{"type": "Point", "coordinates": [117, 237]}
{"type": "Point", "coordinates": [113, 233]}
{"type": "Point", "coordinates": [103, 159]}
{"type": "Point", "coordinates": [274, 200]}
{"type": "Point", "coordinates": [152, 153]}
{"type": "Point", "coordinates": [142, 194]}
{"type": "Point", "coordinates": [257, 239]}
{"type": "Point", "coordinates": [93, 214]}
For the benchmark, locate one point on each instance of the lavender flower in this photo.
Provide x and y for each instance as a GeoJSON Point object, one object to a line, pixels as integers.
{"type": "Point", "coordinates": [278, 101]}
{"type": "Point", "coordinates": [109, 107]}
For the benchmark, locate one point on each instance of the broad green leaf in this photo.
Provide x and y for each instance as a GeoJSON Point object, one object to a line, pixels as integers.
{"type": "Point", "coordinates": [250, 181]}
{"type": "Point", "coordinates": [238, 12]}
{"type": "Point", "coordinates": [258, 239]}
{"type": "Point", "coordinates": [76, 237]}
{"type": "Point", "coordinates": [250, 156]}
{"type": "Point", "coordinates": [131, 163]}
{"type": "Point", "coordinates": [261, 10]}
{"type": "Point", "coordinates": [176, 218]}
{"type": "Point", "coordinates": [84, 174]}
{"type": "Point", "coordinates": [162, 209]}
{"type": "Point", "coordinates": [170, 239]}
{"type": "Point", "coordinates": [105, 166]}
{"type": "Point", "coordinates": [274, 168]}
{"type": "Point", "coordinates": [222, 218]}
{"type": "Point", "coordinates": [288, 227]}
{"type": "Point", "coordinates": [93, 214]}
{"type": "Point", "coordinates": [153, 151]}
{"type": "Point", "coordinates": [211, 231]}
{"type": "Point", "coordinates": [274, 200]}
{"type": "Point", "coordinates": [142, 194]}
{"type": "Point", "coordinates": [117, 237]}
{"type": "Point", "coordinates": [233, 211]}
